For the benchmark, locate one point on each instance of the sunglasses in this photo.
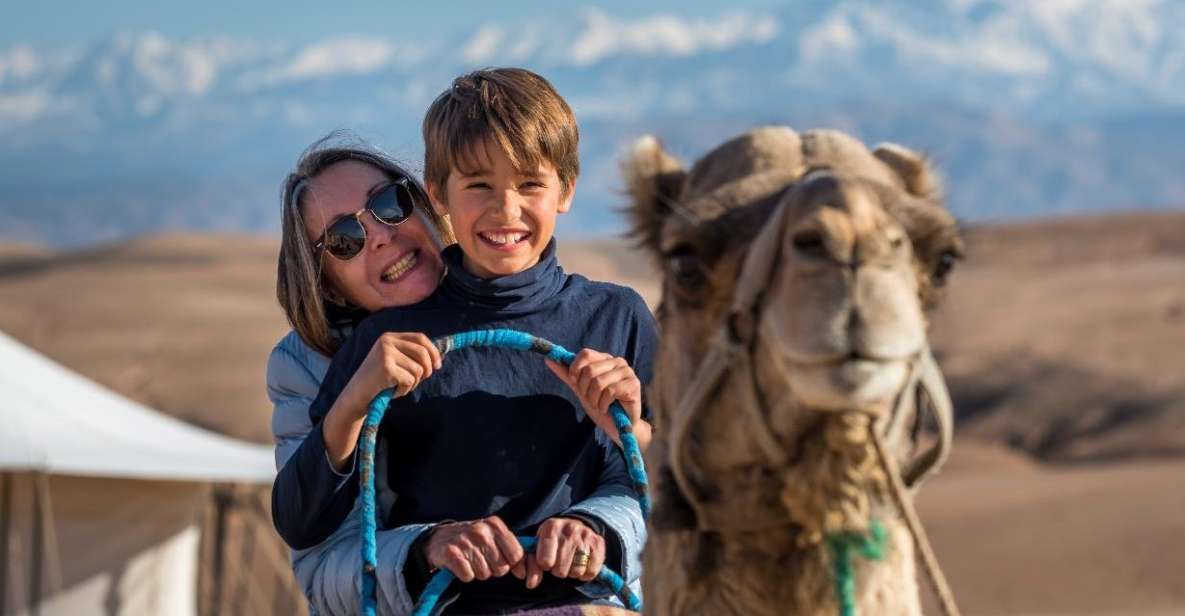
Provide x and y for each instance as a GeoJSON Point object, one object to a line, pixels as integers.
{"type": "Point", "coordinates": [346, 236]}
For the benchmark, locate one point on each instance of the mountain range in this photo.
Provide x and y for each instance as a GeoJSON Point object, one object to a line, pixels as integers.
{"type": "Point", "coordinates": [1030, 109]}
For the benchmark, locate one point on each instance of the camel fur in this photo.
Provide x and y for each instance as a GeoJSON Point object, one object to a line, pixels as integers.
{"type": "Point", "coordinates": [863, 244]}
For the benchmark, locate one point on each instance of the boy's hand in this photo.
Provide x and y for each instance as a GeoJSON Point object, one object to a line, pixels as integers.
{"type": "Point", "coordinates": [396, 360]}
{"type": "Point", "coordinates": [598, 379]}
{"type": "Point", "coordinates": [477, 550]}
{"type": "Point", "coordinates": [399, 360]}
{"type": "Point", "coordinates": [560, 539]}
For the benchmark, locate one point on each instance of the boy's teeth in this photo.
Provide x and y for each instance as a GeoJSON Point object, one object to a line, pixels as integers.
{"type": "Point", "coordinates": [400, 268]}
{"type": "Point", "coordinates": [504, 238]}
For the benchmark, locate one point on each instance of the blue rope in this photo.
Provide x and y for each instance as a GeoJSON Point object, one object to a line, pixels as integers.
{"type": "Point", "coordinates": [508, 339]}
{"type": "Point", "coordinates": [370, 428]}
{"type": "Point", "coordinates": [440, 582]}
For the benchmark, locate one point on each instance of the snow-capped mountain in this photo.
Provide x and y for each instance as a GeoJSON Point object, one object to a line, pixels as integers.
{"type": "Point", "coordinates": [1030, 107]}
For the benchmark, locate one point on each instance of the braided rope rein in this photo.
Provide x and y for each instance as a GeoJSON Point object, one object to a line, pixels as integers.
{"type": "Point", "coordinates": [440, 582]}
{"type": "Point", "coordinates": [850, 458]}
{"type": "Point", "coordinates": [500, 338]}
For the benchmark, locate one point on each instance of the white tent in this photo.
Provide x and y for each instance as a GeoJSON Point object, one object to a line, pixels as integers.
{"type": "Point", "coordinates": [100, 497]}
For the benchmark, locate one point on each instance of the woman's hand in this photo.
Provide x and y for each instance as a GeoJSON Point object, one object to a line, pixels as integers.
{"type": "Point", "coordinates": [399, 360]}
{"type": "Point", "coordinates": [560, 540]}
{"type": "Point", "coordinates": [598, 379]}
{"type": "Point", "coordinates": [477, 550]}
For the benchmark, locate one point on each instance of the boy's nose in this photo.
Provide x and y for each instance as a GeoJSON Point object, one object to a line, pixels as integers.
{"type": "Point", "coordinates": [510, 205]}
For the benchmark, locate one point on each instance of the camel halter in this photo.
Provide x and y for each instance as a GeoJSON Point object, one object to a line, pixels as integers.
{"type": "Point", "coordinates": [731, 348]}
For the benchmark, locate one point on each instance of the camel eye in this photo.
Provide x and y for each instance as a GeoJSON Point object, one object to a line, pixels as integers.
{"type": "Point", "coordinates": [685, 269]}
{"type": "Point", "coordinates": [809, 242]}
{"type": "Point", "coordinates": [946, 262]}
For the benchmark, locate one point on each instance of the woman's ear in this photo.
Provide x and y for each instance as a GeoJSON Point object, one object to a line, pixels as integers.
{"type": "Point", "coordinates": [566, 201]}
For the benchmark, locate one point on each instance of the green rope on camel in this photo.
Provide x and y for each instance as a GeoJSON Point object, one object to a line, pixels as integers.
{"type": "Point", "coordinates": [844, 547]}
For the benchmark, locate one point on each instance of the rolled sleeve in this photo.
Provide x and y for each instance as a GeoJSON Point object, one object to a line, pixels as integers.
{"type": "Point", "coordinates": [614, 505]}
{"type": "Point", "coordinates": [345, 475]}
{"type": "Point", "coordinates": [331, 573]}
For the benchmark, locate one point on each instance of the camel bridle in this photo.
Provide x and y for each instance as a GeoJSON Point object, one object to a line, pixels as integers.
{"type": "Point", "coordinates": [730, 352]}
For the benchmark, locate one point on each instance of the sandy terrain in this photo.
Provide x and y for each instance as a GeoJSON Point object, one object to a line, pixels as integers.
{"type": "Point", "coordinates": [182, 323]}
{"type": "Point", "coordinates": [1064, 343]}
{"type": "Point", "coordinates": [1067, 339]}
{"type": "Point", "coordinates": [1018, 538]}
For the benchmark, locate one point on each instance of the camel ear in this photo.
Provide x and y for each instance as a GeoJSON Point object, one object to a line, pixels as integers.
{"type": "Point", "coordinates": [913, 168]}
{"type": "Point", "coordinates": [653, 179]}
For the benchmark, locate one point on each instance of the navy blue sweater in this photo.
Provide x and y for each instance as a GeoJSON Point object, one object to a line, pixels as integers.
{"type": "Point", "coordinates": [493, 432]}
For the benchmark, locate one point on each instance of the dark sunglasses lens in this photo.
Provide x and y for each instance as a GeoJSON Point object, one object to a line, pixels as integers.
{"type": "Point", "coordinates": [345, 238]}
{"type": "Point", "coordinates": [392, 205]}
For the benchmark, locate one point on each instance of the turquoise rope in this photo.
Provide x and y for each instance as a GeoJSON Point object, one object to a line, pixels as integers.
{"type": "Point", "coordinates": [511, 339]}
{"type": "Point", "coordinates": [374, 416]}
{"type": "Point", "coordinates": [502, 338]}
{"type": "Point", "coordinates": [440, 583]}
{"type": "Point", "coordinates": [870, 545]}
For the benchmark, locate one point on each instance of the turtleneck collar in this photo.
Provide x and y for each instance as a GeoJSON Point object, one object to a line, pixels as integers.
{"type": "Point", "coordinates": [525, 290]}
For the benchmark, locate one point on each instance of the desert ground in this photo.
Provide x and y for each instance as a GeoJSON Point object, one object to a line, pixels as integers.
{"type": "Point", "coordinates": [1063, 342]}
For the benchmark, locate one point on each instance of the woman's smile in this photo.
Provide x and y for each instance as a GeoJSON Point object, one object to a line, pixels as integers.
{"type": "Point", "coordinates": [401, 267]}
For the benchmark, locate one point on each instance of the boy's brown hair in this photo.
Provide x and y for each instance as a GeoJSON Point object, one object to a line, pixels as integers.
{"type": "Point", "coordinates": [513, 108]}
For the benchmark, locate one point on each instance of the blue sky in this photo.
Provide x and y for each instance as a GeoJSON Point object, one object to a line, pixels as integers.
{"type": "Point", "coordinates": [59, 22]}
{"type": "Point", "coordinates": [1030, 108]}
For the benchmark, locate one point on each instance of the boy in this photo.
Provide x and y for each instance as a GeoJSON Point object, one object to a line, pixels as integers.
{"type": "Point", "coordinates": [490, 443]}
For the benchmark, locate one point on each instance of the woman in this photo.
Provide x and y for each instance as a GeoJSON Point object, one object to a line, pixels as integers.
{"type": "Point", "coordinates": [357, 236]}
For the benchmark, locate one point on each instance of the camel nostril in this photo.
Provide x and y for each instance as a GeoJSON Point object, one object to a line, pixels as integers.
{"type": "Point", "coordinates": [809, 242]}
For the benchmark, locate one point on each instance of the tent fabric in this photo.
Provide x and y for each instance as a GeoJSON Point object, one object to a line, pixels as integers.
{"type": "Point", "coordinates": [108, 546]}
{"type": "Point", "coordinates": [55, 421]}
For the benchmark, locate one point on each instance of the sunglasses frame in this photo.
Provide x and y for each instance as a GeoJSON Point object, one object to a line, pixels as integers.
{"type": "Point", "coordinates": [320, 245]}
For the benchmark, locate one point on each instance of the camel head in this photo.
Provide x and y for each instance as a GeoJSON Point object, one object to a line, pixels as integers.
{"type": "Point", "coordinates": [822, 258]}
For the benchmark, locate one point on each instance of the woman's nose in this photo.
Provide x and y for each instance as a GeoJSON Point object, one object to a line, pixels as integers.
{"type": "Point", "coordinates": [377, 234]}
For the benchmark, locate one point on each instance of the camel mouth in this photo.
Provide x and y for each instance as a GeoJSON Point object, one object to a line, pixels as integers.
{"type": "Point", "coordinates": [850, 360]}
{"type": "Point", "coordinates": [848, 381]}
{"type": "Point", "coordinates": [857, 372]}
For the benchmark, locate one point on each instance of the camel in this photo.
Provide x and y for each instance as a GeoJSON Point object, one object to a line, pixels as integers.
{"type": "Point", "coordinates": [797, 271]}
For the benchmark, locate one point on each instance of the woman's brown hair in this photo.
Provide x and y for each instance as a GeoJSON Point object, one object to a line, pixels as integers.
{"type": "Point", "coordinates": [309, 302]}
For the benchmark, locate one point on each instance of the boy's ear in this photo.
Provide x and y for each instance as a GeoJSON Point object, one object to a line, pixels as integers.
{"type": "Point", "coordinates": [566, 202]}
{"type": "Point", "coordinates": [438, 204]}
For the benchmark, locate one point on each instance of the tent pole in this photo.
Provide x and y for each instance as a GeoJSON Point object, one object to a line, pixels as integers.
{"type": "Point", "coordinates": [5, 523]}
{"type": "Point", "coordinates": [53, 554]}
{"type": "Point", "coordinates": [246, 560]}
{"type": "Point", "coordinates": [16, 548]}
{"type": "Point", "coordinates": [35, 554]}
{"type": "Point", "coordinates": [221, 502]}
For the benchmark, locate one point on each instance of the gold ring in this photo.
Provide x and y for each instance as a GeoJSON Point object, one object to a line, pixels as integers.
{"type": "Point", "coordinates": [580, 560]}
